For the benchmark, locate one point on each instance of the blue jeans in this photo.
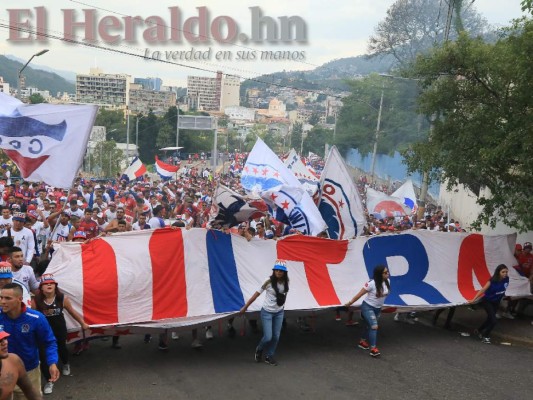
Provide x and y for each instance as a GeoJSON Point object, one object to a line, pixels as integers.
{"type": "Point", "coordinates": [370, 315]}
{"type": "Point", "coordinates": [272, 323]}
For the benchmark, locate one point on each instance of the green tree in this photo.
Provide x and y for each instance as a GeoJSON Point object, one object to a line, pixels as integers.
{"type": "Point", "coordinates": [148, 131]}
{"type": "Point", "coordinates": [413, 27]}
{"type": "Point", "coordinates": [106, 160]}
{"type": "Point", "coordinates": [114, 122]}
{"type": "Point", "coordinates": [36, 98]}
{"type": "Point", "coordinates": [314, 119]}
{"type": "Point", "coordinates": [316, 140]}
{"type": "Point", "coordinates": [400, 123]}
{"type": "Point", "coordinates": [166, 136]}
{"type": "Point", "coordinates": [480, 95]}
{"type": "Point", "coordinates": [296, 136]}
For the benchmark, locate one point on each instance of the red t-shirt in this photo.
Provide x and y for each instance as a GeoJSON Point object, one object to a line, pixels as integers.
{"type": "Point", "coordinates": [526, 263]}
{"type": "Point", "coordinates": [89, 227]}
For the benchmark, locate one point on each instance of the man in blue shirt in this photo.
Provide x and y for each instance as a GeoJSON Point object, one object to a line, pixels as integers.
{"type": "Point", "coordinates": [28, 330]}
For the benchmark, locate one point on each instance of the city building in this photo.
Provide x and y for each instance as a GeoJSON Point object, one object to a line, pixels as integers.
{"type": "Point", "coordinates": [142, 101]}
{"type": "Point", "coordinates": [212, 94]}
{"type": "Point", "coordinates": [4, 86]}
{"type": "Point", "coordinates": [238, 113]}
{"type": "Point", "coordinates": [149, 83]}
{"type": "Point", "coordinates": [106, 90]}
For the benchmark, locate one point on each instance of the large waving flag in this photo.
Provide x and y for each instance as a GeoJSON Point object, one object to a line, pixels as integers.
{"type": "Point", "coordinates": [381, 205]}
{"type": "Point", "coordinates": [265, 174]}
{"type": "Point", "coordinates": [165, 171]}
{"type": "Point", "coordinates": [47, 142]}
{"type": "Point", "coordinates": [302, 173]}
{"type": "Point", "coordinates": [135, 170]}
{"type": "Point", "coordinates": [230, 208]}
{"type": "Point", "coordinates": [407, 193]}
{"type": "Point", "coordinates": [340, 203]}
{"type": "Point", "coordinates": [213, 273]}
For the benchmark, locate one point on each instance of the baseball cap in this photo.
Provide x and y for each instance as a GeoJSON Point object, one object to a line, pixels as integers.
{"type": "Point", "coordinates": [280, 265]}
{"type": "Point", "coordinates": [79, 235]}
{"type": "Point", "coordinates": [46, 279]}
{"type": "Point", "coordinates": [3, 334]}
{"type": "Point", "coordinates": [269, 234]}
{"type": "Point", "coordinates": [518, 247]}
{"type": "Point", "coordinates": [18, 216]}
{"type": "Point", "coordinates": [527, 245]}
{"type": "Point", "coordinates": [33, 214]}
{"type": "Point", "coordinates": [5, 270]}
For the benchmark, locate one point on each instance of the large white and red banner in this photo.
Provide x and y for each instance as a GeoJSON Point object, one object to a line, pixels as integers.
{"type": "Point", "coordinates": [177, 276]}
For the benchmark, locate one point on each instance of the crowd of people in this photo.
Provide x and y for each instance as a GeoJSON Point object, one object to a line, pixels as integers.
{"type": "Point", "coordinates": [35, 217]}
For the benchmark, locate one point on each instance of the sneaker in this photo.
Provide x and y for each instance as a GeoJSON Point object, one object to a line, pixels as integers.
{"type": "Point", "coordinates": [258, 355]}
{"type": "Point", "coordinates": [397, 317]}
{"type": "Point", "coordinates": [338, 317]}
{"type": "Point", "coordinates": [485, 340]}
{"type": "Point", "coordinates": [508, 315]}
{"type": "Point", "coordinates": [66, 370]}
{"type": "Point", "coordinates": [162, 346]}
{"type": "Point", "coordinates": [270, 361]}
{"type": "Point", "coordinates": [363, 344]}
{"type": "Point", "coordinates": [352, 323]}
{"type": "Point", "coordinates": [174, 336]}
{"type": "Point", "coordinates": [208, 333]}
{"type": "Point", "coordinates": [498, 316]}
{"type": "Point", "coordinates": [48, 388]}
{"type": "Point", "coordinates": [196, 344]}
{"type": "Point", "coordinates": [409, 321]}
{"type": "Point", "coordinates": [231, 331]}
{"type": "Point", "coordinates": [147, 339]}
{"type": "Point", "coordinates": [374, 352]}
{"type": "Point", "coordinates": [78, 348]}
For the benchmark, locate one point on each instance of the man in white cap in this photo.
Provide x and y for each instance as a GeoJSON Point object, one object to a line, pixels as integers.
{"type": "Point", "coordinates": [22, 237]}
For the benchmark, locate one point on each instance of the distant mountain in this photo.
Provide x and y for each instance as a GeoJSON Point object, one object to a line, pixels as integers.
{"type": "Point", "coordinates": [329, 76]}
{"type": "Point", "coordinates": [34, 77]}
{"type": "Point", "coordinates": [67, 75]}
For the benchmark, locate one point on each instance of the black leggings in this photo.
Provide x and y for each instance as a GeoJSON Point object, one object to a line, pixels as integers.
{"type": "Point", "coordinates": [61, 337]}
{"type": "Point", "coordinates": [491, 307]}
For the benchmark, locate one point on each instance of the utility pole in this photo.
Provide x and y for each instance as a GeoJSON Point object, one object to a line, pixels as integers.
{"type": "Point", "coordinates": [127, 136]}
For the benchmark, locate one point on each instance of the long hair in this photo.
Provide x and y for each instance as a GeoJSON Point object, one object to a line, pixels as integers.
{"type": "Point", "coordinates": [496, 276]}
{"type": "Point", "coordinates": [39, 298]}
{"type": "Point", "coordinates": [285, 280]}
{"type": "Point", "coordinates": [378, 279]}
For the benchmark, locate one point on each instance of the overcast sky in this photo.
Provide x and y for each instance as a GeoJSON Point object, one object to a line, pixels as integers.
{"type": "Point", "coordinates": [335, 29]}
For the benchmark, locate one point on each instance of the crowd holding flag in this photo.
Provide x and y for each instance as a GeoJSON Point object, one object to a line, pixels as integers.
{"type": "Point", "coordinates": [164, 170]}
{"type": "Point", "coordinates": [229, 208]}
{"type": "Point", "coordinates": [43, 139]}
{"type": "Point", "coordinates": [382, 205]}
{"type": "Point", "coordinates": [339, 202]}
{"type": "Point", "coordinates": [136, 170]}
{"type": "Point", "coordinates": [265, 174]}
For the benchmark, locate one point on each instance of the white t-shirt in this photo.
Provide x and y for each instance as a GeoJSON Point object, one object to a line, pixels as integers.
{"type": "Point", "coordinates": [61, 233]}
{"type": "Point", "coordinates": [24, 239]}
{"type": "Point", "coordinates": [270, 304]}
{"type": "Point", "coordinates": [371, 298]}
{"type": "Point", "coordinates": [156, 222]}
{"type": "Point", "coordinates": [26, 276]}
{"type": "Point", "coordinates": [5, 222]}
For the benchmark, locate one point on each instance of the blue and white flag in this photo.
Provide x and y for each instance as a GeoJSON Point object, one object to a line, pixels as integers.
{"type": "Point", "coordinates": [47, 142]}
{"type": "Point", "coordinates": [407, 193]}
{"type": "Point", "coordinates": [302, 173]}
{"type": "Point", "coordinates": [264, 174]}
{"type": "Point", "coordinates": [339, 202]}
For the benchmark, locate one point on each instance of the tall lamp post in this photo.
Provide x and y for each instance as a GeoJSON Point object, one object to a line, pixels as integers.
{"type": "Point", "coordinates": [24, 67]}
{"type": "Point", "coordinates": [137, 134]}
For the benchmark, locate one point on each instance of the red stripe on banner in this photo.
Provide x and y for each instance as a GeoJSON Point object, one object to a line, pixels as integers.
{"type": "Point", "coordinates": [100, 283]}
{"type": "Point", "coordinates": [471, 259]}
{"type": "Point", "coordinates": [304, 248]}
{"type": "Point", "coordinates": [169, 290]}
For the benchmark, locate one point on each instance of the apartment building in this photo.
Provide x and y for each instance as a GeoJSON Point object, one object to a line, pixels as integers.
{"type": "Point", "coordinates": [213, 94]}
{"type": "Point", "coordinates": [142, 101]}
{"type": "Point", "coordinates": [4, 86]}
{"type": "Point", "coordinates": [106, 90]}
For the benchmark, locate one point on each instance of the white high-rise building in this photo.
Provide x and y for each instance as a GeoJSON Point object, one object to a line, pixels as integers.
{"type": "Point", "coordinates": [107, 90]}
{"type": "Point", "coordinates": [213, 94]}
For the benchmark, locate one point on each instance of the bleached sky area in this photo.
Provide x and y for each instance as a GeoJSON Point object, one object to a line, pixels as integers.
{"type": "Point", "coordinates": [333, 29]}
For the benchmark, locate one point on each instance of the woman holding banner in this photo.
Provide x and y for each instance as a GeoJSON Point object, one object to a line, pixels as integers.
{"type": "Point", "coordinates": [493, 291]}
{"type": "Point", "coordinates": [376, 290]}
{"type": "Point", "coordinates": [276, 289]}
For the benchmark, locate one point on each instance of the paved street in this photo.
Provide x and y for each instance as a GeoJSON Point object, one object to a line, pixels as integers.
{"type": "Point", "coordinates": [417, 362]}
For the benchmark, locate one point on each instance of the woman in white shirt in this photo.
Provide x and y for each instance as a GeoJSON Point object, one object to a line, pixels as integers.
{"type": "Point", "coordinates": [276, 289]}
{"type": "Point", "coordinates": [376, 290]}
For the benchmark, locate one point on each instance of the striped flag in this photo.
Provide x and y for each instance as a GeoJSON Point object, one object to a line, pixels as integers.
{"type": "Point", "coordinates": [135, 170]}
{"type": "Point", "coordinates": [165, 171]}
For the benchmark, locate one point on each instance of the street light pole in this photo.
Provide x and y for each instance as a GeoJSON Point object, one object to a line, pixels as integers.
{"type": "Point", "coordinates": [24, 67]}
{"type": "Point", "coordinates": [374, 153]}
{"type": "Point", "coordinates": [127, 136]}
{"type": "Point", "coordinates": [137, 135]}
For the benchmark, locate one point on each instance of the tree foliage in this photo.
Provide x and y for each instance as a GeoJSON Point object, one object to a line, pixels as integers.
{"type": "Point", "coordinates": [105, 159]}
{"type": "Point", "coordinates": [400, 123]}
{"type": "Point", "coordinates": [480, 95]}
{"type": "Point", "coordinates": [412, 27]}
{"type": "Point", "coordinates": [316, 140]}
{"type": "Point", "coordinates": [36, 98]}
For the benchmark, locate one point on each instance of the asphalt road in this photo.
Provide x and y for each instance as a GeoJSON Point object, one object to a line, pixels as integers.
{"type": "Point", "coordinates": [417, 362]}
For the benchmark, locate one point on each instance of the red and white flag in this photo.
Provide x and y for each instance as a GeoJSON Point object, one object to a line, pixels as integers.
{"type": "Point", "coordinates": [135, 170]}
{"type": "Point", "coordinates": [47, 142]}
{"type": "Point", "coordinates": [165, 171]}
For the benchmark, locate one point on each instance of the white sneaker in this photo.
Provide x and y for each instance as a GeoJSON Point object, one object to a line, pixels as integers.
{"type": "Point", "coordinates": [48, 388]}
{"type": "Point", "coordinates": [498, 316]}
{"type": "Point", "coordinates": [66, 370]}
{"type": "Point", "coordinates": [397, 317]}
{"type": "Point", "coordinates": [208, 333]}
{"type": "Point", "coordinates": [196, 344]}
{"type": "Point", "coordinates": [175, 336]}
{"type": "Point", "coordinates": [508, 315]}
